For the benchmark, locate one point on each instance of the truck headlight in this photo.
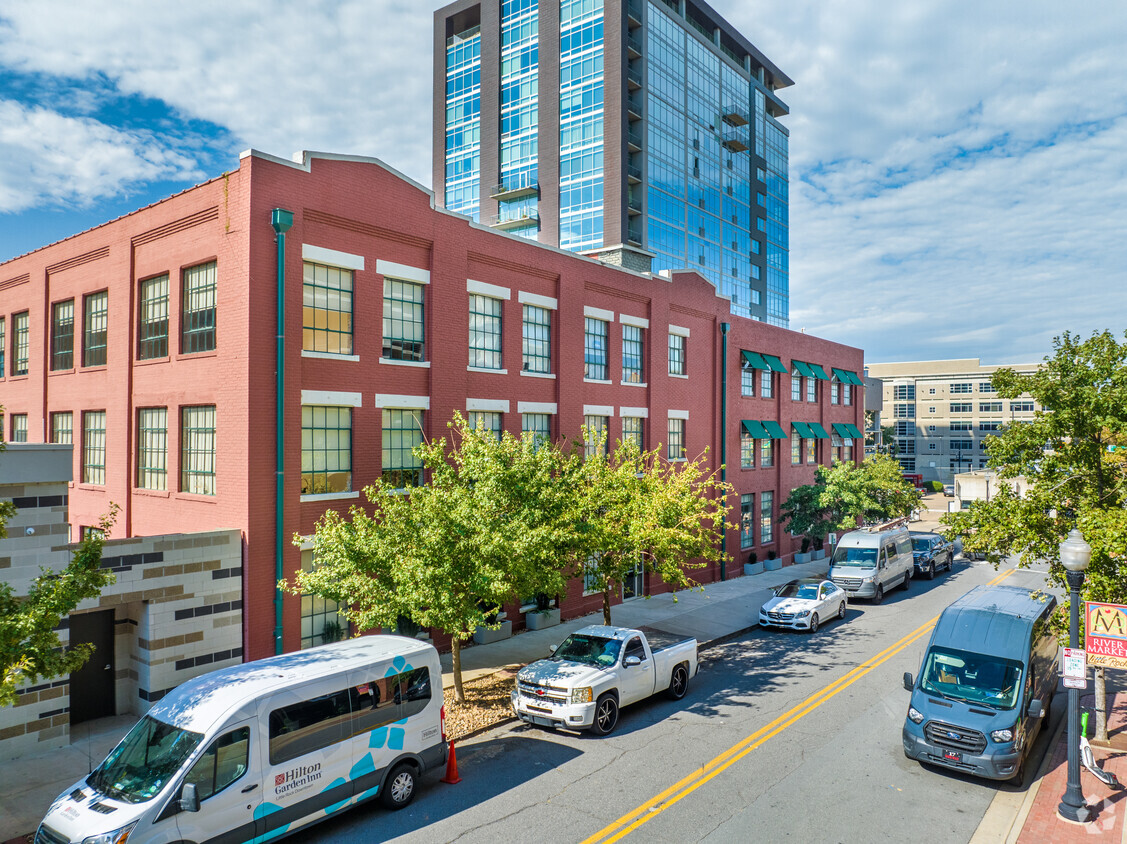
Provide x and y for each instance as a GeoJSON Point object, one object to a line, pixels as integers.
{"type": "Point", "coordinates": [582, 695]}
{"type": "Point", "coordinates": [118, 836]}
{"type": "Point", "coordinates": [914, 715]}
{"type": "Point", "coordinates": [1003, 735]}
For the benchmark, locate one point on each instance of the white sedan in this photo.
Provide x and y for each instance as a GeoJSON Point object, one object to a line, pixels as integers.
{"type": "Point", "coordinates": [803, 605]}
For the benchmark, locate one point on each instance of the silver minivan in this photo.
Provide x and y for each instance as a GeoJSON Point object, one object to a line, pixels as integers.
{"type": "Point", "coordinates": [256, 751]}
{"type": "Point", "coordinates": [867, 563]}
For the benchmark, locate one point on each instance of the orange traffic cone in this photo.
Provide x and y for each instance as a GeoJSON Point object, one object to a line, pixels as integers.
{"type": "Point", "coordinates": [451, 777]}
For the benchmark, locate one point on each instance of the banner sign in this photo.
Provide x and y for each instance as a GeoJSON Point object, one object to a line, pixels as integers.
{"type": "Point", "coordinates": [1105, 634]}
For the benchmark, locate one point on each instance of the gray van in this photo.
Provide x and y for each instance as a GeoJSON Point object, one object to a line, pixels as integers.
{"type": "Point", "coordinates": [985, 683]}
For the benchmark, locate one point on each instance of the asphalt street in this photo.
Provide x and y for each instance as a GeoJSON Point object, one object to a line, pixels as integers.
{"type": "Point", "coordinates": [783, 736]}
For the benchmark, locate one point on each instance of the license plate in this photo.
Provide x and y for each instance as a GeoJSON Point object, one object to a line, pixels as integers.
{"type": "Point", "coordinates": [952, 756]}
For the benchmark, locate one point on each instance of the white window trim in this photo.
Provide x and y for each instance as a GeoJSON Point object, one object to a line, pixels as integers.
{"type": "Point", "coordinates": [548, 407]}
{"type": "Point", "coordinates": [598, 313]}
{"type": "Point", "coordinates": [675, 375]}
{"type": "Point", "coordinates": [598, 410]}
{"type": "Point", "coordinates": [487, 405]}
{"type": "Point", "coordinates": [678, 414]}
{"type": "Point", "coordinates": [549, 375]}
{"type": "Point", "coordinates": [596, 381]}
{"type": "Point", "coordinates": [398, 402]}
{"type": "Point", "coordinates": [330, 496]}
{"type": "Point", "coordinates": [483, 288]}
{"type": "Point", "coordinates": [679, 331]}
{"type": "Point", "coordinates": [637, 322]}
{"type": "Point", "coordinates": [633, 384]}
{"type": "Point", "coordinates": [419, 364]}
{"type": "Point", "coordinates": [487, 369]}
{"type": "Point", "coordinates": [331, 398]}
{"type": "Point", "coordinates": [643, 412]}
{"type": "Point", "coordinates": [331, 257]}
{"type": "Point", "coordinates": [403, 272]}
{"type": "Point", "coordinates": [538, 300]}
{"type": "Point", "coordinates": [329, 356]}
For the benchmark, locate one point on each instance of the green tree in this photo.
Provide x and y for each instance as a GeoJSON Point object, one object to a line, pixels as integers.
{"type": "Point", "coordinates": [490, 525]}
{"type": "Point", "coordinates": [637, 509]}
{"type": "Point", "coordinates": [1074, 479]}
{"type": "Point", "coordinates": [29, 642]}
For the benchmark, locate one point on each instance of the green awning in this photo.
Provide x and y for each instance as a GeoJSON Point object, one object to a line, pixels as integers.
{"type": "Point", "coordinates": [775, 430]}
{"type": "Point", "coordinates": [803, 430]}
{"type": "Point", "coordinates": [803, 368]}
{"type": "Point", "coordinates": [854, 431]}
{"type": "Point", "coordinates": [842, 430]}
{"type": "Point", "coordinates": [847, 376]}
{"type": "Point", "coordinates": [773, 362]}
{"type": "Point", "coordinates": [755, 429]}
{"type": "Point", "coordinates": [818, 371]}
{"type": "Point", "coordinates": [753, 360]}
{"type": "Point", "coordinates": [818, 431]}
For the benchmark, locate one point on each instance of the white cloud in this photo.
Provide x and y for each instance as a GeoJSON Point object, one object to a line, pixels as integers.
{"type": "Point", "coordinates": [47, 159]}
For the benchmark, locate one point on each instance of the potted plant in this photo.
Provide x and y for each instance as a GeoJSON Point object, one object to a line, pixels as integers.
{"type": "Point", "coordinates": [496, 627]}
{"type": "Point", "coordinates": [819, 548]}
{"type": "Point", "coordinates": [545, 615]}
{"type": "Point", "coordinates": [332, 631]}
{"type": "Point", "coordinates": [803, 556]}
{"type": "Point", "coordinates": [753, 566]}
{"type": "Point", "coordinates": [773, 561]}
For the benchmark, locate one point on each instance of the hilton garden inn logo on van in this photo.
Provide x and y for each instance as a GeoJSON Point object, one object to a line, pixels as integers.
{"type": "Point", "coordinates": [297, 778]}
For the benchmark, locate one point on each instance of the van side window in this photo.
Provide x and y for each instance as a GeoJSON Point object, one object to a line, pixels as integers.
{"type": "Point", "coordinates": [904, 546]}
{"type": "Point", "coordinates": [416, 691]}
{"type": "Point", "coordinates": [221, 764]}
{"type": "Point", "coordinates": [307, 726]}
{"type": "Point", "coordinates": [375, 704]}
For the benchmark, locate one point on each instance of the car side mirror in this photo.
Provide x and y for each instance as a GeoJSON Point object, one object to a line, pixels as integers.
{"type": "Point", "coordinates": [909, 684]}
{"type": "Point", "coordinates": [189, 798]}
{"type": "Point", "coordinates": [631, 661]}
{"type": "Point", "coordinates": [552, 648]}
{"type": "Point", "coordinates": [1036, 709]}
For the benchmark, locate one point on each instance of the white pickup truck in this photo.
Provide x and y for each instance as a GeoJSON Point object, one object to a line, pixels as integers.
{"type": "Point", "coordinates": [596, 670]}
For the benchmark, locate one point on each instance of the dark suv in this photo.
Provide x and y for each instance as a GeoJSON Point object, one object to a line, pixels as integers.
{"type": "Point", "coordinates": [931, 551]}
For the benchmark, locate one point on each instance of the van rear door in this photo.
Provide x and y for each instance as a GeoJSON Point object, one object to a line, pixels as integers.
{"type": "Point", "coordinates": [228, 781]}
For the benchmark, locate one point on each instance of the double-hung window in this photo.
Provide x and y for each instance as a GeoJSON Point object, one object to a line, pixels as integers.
{"type": "Point", "coordinates": [766, 383]}
{"type": "Point", "coordinates": [595, 332]}
{"type": "Point", "coordinates": [676, 449]}
{"type": "Point", "coordinates": [62, 335]}
{"type": "Point", "coordinates": [834, 391]}
{"type": "Point", "coordinates": [152, 329]}
{"type": "Point", "coordinates": [197, 449]}
{"type": "Point", "coordinates": [766, 453]}
{"type": "Point", "coordinates": [847, 394]}
{"type": "Point", "coordinates": [747, 450]}
{"type": "Point", "coordinates": [403, 337]}
{"type": "Point", "coordinates": [537, 340]}
{"type": "Point", "coordinates": [19, 428]}
{"type": "Point", "coordinates": [676, 354]}
{"type": "Point", "coordinates": [326, 449]}
{"type": "Point", "coordinates": [94, 447]}
{"type": "Point", "coordinates": [632, 430]}
{"type": "Point", "coordinates": [3, 345]}
{"type": "Point", "coordinates": [95, 322]}
{"type": "Point", "coordinates": [632, 354]}
{"type": "Point", "coordinates": [747, 520]}
{"type": "Point", "coordinates": [62, 427]}
{"type": "Point", "coordinates": [21, 342]}
{"type": "Point", "coordinates": [402, 431]}
{"type": "Point", "coordinates": [595, 435]}
{"type": "Point", "coordinates": [326, 311]}
{"type": "Point", "coordinates": [538, 425]}
{"type": "Point", "coordinates": [152, 448]}
{"type": "Point", "coordinates": [747, 379]}
{"type": "Point", "coordinates": [198, 310]}
{"type": "Point", "coordinates": [487, 422]}
{"type": "Point", "coordinates": [766, 517]}
{"type": "Point", "coordinates": [485, 332]}
{"type": "Point", "coordinates": [811, 389]}
{"type": "Point", "coordinates": [795, 385]}
{"type": "Point", "coordinates": [795, 448]}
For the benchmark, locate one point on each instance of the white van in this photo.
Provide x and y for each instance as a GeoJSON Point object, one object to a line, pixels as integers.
{"type": "Point", "coordinates": [256, 751]}
{"type": "Point", "coordinates": [868, 562]}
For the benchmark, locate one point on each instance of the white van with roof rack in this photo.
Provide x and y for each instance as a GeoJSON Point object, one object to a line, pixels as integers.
{"type": "Point", "coordinates": [256, 751]}
{"type": "Point", "coordinates": [868, 562]}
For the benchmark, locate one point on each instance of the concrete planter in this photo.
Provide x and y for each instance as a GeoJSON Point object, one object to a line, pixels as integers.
{"type": "Point", "coordinates": [754, 568]}
{"type": "Point", "coordinates": [484, 636]}
{"type": "Point", "coordinates": [800, 557]}
{"type": "Point", "coordinates": [774, 565]}
{"type": "Point", "coordinates": [819, 554]}
{"type": "Point", "coordinates": [542, 619]}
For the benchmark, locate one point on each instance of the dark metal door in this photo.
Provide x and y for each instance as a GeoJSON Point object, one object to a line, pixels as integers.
{"type": "Point", "coordinates": [92, 685]}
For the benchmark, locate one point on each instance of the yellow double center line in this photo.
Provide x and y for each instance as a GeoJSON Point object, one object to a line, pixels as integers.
{"type": "Point", "coordinates": [682, 788]}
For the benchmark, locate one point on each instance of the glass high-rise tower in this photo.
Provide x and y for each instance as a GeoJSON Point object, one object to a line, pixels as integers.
{"type": "Point", "coordinates": [643, 131]}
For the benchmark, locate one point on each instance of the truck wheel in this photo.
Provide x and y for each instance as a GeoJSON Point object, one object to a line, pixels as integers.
{"type": "Point", "coordinates": [678, 683]}
{"type": "Point", "coordinates": [878, 595]}
{"type": "Point", "coordinates": [399, 787]}
{"type": "Point", "coordinates": [930, 573]}
{"type": "Point", "coordinates": [950, 559]}
{"type": "Point", "coordinates": [606, 715]}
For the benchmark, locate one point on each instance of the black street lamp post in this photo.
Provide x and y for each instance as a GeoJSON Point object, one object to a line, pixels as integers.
{"type": "Point", "coordinates": [1074, 554]}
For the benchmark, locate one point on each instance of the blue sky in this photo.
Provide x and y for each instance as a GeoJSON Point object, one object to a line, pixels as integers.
{"type": "Point", "coordinates": [958, 169]}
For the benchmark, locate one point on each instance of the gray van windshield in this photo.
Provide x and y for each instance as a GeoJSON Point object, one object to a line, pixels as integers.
{"type": "Point", "coordinates": [144, 761]}
{"type": "Point", "coordinates": [972, 678]}
{"type": "Point", "coordinates": [864, 558]}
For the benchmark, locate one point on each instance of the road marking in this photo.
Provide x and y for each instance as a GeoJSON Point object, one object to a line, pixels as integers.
{"type": "Point", "coordinates": [685, 786]}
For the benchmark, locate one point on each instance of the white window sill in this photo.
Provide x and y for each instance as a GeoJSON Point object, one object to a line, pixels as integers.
{"type": "Point", "coordinates": [487, 370]}
{"type": "Point", "coordinates": [675, 375]}
{"type": "Point", "coordinates": [550, 375]}
{"type": "Point", "coordinates": [596, 381]}
{"type": "Point", "coordinates": [418, 364]}
{"type": "Point", "coordinates": [677, 459]}
{"type": "Point", "coordinates": [632, 384]}
{"type": "Point", "coordinates": [329, 356]}
{"type": "Point", "coordinates": [330, 496]}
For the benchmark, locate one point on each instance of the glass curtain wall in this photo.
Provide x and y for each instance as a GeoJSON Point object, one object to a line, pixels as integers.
{"type": "Point", "coordinates": [581, 124]}
{"type": "Point", "coordinates": [463, 121]}
{"type": "Point", "coordinates": [520, 62]}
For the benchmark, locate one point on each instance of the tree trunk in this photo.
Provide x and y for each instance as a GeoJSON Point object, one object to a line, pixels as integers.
{"type": "Point", "coordinates": [456, 654]}
{"type": "Point", "coordinates": [606, 607]}
{"type": "Point", "coordinates": [1101, 706]}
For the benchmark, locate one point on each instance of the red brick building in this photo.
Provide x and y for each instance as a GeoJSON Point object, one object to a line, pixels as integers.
{"type": "Point", "coordinates": [150, 343]}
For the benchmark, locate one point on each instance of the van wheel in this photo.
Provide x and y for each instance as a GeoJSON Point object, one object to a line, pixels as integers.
{"type": "Point", "coordinates": [1018, 779]}
{"type": "Point", "coordinates": [606, 715]}
{"type": "Point", "coordinates": [878, 595]}
{"type": "Point", "coordinates": [678, 683]}
{"type": "Point", "coordinates": [399, 787]}
{"type": "Point", "coordinates": [907, 580]}
{"type": "Point", "coordinates": [814, 623]}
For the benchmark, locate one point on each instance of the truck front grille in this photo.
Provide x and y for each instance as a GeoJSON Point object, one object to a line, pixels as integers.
{"type": "Point", "coordinates": [46, 835]}
{"type": "Point", "coordinates": [957, 738]}
{"type": "Point", "coordinates": [553, 694]}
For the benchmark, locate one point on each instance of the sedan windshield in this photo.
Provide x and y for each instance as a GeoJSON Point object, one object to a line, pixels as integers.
{"type": "Point", "coordinates": [807, 591]}
{"type": "Point", "coordinates": [864, 558]}
{"type": "Point", "coordinates": [145, 760]}
{"type": "Point", "coordinates": [590, 650]}
{"type": "Point", "coordinates": [973, 678]}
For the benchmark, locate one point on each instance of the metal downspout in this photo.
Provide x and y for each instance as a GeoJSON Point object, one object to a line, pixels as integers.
{"type": "Point", "coordinates": [281, 220]}
{"type": "Point", "coordinates": [723, 436]}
